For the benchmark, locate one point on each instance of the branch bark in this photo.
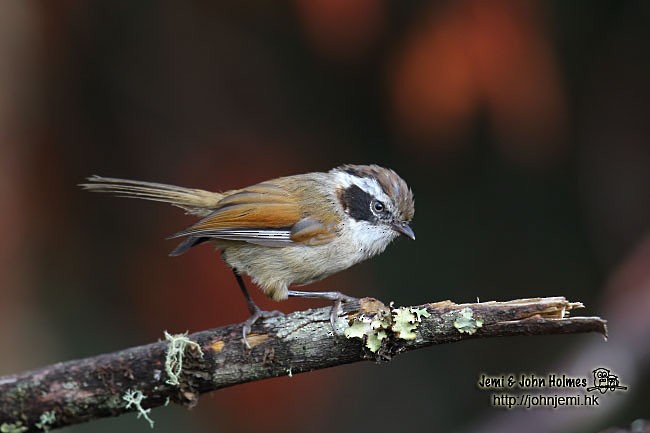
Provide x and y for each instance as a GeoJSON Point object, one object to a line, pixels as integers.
{"type": "Point", "coordinates": [81, 390]}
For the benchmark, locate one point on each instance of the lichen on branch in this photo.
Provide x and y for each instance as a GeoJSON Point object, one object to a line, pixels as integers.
{"type": "Point", "coordinates": [182, 367]}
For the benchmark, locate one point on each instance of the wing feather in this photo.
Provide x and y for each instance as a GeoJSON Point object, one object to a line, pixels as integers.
{"type": "Point", "coordinates": [312, 232]}
{"type": "Point", "coordinates": [264, 214]}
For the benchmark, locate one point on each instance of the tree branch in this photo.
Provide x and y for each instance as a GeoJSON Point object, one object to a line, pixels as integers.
{"type": "Point", "coordinates": [76, 391]}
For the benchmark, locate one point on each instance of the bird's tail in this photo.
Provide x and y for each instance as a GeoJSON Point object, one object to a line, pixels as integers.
{"type": "Point", "coordinates": [194, 201]}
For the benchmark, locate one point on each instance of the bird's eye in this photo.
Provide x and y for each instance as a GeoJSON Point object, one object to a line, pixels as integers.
{"type": "Point", "coordinates": [378, 206]}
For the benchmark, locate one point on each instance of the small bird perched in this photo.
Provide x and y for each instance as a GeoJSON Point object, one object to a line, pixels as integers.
{"type": "Point", "coordinates": [290, 230]}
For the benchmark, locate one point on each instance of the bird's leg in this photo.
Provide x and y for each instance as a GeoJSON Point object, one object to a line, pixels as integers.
{"type": "Point", "coordinates": [256, 312]}
{"type": "Point", "coordinates": [252, 306]}
{"type": "Point", "coordinates": [337, 297]}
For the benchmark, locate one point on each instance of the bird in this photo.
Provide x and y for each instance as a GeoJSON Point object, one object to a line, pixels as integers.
{"type": "Point", "coordinates": [291, 230]}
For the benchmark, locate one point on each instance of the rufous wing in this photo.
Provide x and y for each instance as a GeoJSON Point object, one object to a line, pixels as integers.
{"type": "Point", "coordinates": [310, 231]}
{"type": "Point", "coordinates": [264, 214]}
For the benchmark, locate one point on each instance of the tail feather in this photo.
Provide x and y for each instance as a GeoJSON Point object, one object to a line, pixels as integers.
{"type": "Point", "coordinates": [186, 244]}
{"type": "Point", "coordinates": [194, 201]}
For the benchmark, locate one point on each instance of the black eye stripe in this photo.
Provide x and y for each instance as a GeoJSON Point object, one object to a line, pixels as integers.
{"type": "Point", "coordinates": [356, 202]}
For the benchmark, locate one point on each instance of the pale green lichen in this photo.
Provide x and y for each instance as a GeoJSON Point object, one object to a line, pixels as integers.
{"type": "Point", "coordinates": [373, 342]}
{"type": "Point", "coordinates": [405, 321]}
{"type": "Point", "coordinates": [16, 427]}
{"type": "Point", "coordinates": [360, 326]}
{"type": "Point", "coordinates": [46, 420]}
{"type": "Point", "coordinates": [374, 329]}
{"type": "Point", "coordinates": [465, 322]}
{"type": "Point", "coordinates": [134, 398]}
{"type": "Point", "coordinates": [175, 353]}
{"type": "Point", "coordinates": [381, 320]}
{"type": "Point", "coordinates": [420, 313]}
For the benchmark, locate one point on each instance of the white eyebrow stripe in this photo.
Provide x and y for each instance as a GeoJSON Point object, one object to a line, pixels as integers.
{"type": "Point", "coordinates": [368, 184]}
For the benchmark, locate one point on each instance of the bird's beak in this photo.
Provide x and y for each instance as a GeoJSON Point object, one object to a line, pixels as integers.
{"type": "Point", "coordinates": [404, 229]}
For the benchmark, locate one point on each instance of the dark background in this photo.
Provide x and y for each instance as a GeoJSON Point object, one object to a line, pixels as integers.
{"type": "Point", "coordinates": [522, 127]}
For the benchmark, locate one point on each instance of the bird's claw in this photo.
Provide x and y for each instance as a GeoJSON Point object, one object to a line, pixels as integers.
{"type": "Point", "coordinates": [334, 312]}
{"type": "Point", "coordinates": [254, 317]}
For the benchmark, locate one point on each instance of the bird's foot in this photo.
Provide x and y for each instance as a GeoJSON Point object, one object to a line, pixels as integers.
{"type": "Point", "coordinates": [337, 297]}
{"type": "Point", "coordinates": [334, 312]}
{"type": "Point", "coordinates": [256, 314]}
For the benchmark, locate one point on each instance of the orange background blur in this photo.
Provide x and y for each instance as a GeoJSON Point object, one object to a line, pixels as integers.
{"type": "Point", "coordinates": [522, 127]}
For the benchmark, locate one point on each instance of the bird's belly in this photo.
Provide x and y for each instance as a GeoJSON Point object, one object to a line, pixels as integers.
{"type": "Point", "coordinates": [274, 269]}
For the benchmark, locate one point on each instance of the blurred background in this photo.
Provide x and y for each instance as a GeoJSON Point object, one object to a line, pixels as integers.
{"type": "Point", "coordinates": [521, 125]}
